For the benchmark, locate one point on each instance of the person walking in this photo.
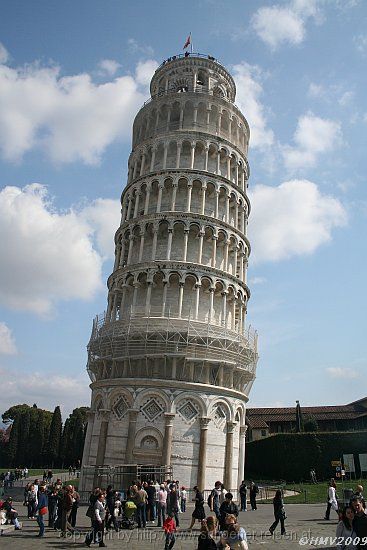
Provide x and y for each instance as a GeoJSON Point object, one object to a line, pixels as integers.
{"type": "Point", "coordinates": [66, 506]}
{"type": "Point", "coordinates": [74, 507]}
{"type": "Point", "coordinates": [32, 501]}
{"type": "Point", "coordinates": [254, 490]}
{"type": "Point", "coordinates": [183, 499]}
{"type": "Point", "coordinates": [169, 527]}
{"type": "Point", "coordinates": [332, 502]}
{"type": "Point", "coordinates": [53, 499]}
{"type": "Point", "coordinates": [345, 532]}
{"type": "Point", "coordinates": [151, 511]}
{"type": "Point", "coordinates": [111, 497]}
{"type": "Point", "coordinates": [243, 496]}
{"type": "Point", "coordinates": [279, 513]}
{"type": "Point", "coordinates": [42, 509]}
{"type": "Point", "coordinates": [199, 512]}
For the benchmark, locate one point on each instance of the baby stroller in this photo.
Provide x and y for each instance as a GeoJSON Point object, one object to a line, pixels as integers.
{"type": "Point", "coordinates": [128, 515]}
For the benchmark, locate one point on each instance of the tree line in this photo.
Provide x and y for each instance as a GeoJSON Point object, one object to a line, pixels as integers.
{"type": "Point", "coordinates": [39, 439]}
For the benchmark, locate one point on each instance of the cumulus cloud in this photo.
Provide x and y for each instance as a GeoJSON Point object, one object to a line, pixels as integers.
{"type": "Point", "coordinates": [22, 387]}
{"type": "Point", "coordinates": [292, 219]}
{"type": "Point", "coordinates": [249, 90]}
{"type": "Point", "coordinates": [109, 67]}
{"type": "Point", "coordinates": [7, 342]}
{"type": "Point", "coordinates": [4, 55]}
{"type": "Point", "coordinates": [276, 25]}
{"type": "Point", "coordinates": [47, 255]}
{"type": "Point", "coordinates": [70, 118]}
{"type": "Point", "coordinates": [313, 136]}
{"type": "Point", "coordinates": [340, 372]}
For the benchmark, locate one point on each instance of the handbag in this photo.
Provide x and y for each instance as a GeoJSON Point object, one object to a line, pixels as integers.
{"type": "Point", "coordinates": [43, 511]}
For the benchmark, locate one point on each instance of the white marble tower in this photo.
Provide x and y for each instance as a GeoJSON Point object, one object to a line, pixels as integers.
{"type": "Point", "coordinates": [172, 361]}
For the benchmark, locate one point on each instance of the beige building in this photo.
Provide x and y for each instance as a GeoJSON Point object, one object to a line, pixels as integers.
{"type": "Point", "coordinates": [172, 360]}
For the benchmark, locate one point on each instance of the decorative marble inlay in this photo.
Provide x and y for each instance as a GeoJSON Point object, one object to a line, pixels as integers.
{"type": "Point", "coordinates": [219, 416]}
{"type": "Point", "coordinates": [188, 411]}
{"type": "Point", "coordinates": [120, 407]}
{"type": "Point", "coordinates": [152, 409]}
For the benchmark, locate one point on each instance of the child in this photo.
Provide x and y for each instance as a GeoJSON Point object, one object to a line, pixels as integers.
{"type": "Point", "coordinates": [169, 527]}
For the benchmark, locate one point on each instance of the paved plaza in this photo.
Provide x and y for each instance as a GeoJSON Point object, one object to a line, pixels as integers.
{"type": "Point", "coordinates": [304, 524]}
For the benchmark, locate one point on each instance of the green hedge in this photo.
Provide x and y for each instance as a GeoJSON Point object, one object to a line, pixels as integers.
{"type": "Point", "coordinates": [291, 456]}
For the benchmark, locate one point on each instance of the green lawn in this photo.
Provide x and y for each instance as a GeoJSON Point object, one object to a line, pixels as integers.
{"type": "Point", "coordinates": [317, 493]}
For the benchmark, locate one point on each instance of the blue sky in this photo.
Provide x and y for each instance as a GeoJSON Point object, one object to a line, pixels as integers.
{"type": "Point", "coordinates": [72, 77]}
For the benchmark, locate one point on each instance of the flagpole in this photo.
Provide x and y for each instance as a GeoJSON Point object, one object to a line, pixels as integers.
{"type": "Point", "coordinates": [192, 48]}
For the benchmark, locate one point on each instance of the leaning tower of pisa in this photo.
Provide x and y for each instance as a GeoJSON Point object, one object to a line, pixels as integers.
{"type": "Point", "coordinates": [172, 360]}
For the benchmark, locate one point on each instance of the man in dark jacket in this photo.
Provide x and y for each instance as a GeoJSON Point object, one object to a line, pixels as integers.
{"type": "Point", "coordinates": [360, 520]}
{"type": "Point", "coordinates": [227, 507]}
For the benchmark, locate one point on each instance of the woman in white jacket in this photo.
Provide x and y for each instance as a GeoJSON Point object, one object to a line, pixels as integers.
{"type": "Point", "coordinates": [332, 503]}
{"type": "Point", "coordinates": [345, 534]}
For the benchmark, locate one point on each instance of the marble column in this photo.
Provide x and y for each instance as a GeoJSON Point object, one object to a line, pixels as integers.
{"type": "Point", "coordinates": [241, 455]}
{"type": "Point", "coordinates": [129, 454]}
{"type": "Point", "coordinates": [204, 423]}
{"type": "Point", "coordinates": [105, 415]}
{"type": "Point", "coordinates": [88, 437]}
{"type": "Point", "coordinates": [228, 457]}
{"type": "Point", "coordinates": [167, 442]}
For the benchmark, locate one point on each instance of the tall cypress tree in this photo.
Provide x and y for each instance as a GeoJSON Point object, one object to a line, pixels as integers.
{"type": "Point", "coordinates": [23, 439]}
{"type": "Point", "coordinates": [54, 438]}
{"type": "Point", "coordinates": [13, 442]}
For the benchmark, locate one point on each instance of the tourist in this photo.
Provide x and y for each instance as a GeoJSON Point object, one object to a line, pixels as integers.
{"type": "Point", "coordinates": [25, 494]}
{"type": "Point", "coordinates": [172, 503]}
{"type": "Point", "coordinates": [140, 500]}
{"type": "Point", "coordinates": [53, 499]}
{"type": "Point", "coordinates": [169, 527]}
{"type": "Point", "coordinates": [254, 490]}
{"type": "Point", "coordinates": [279, 513]}
{"type": "Point", "coordinates": [42, 509]}
{"type": "Point", "coordinates": [208, 533]}
{"type": "Point", "coordinates": [345, 531]}
{"type": "Point", "coordinates": [66, 506]}
{"type": "Point", "coordinates": [183, 499]}
{"type": "Point", "coordinates": [98, 521]}
{"type": "Point", "coordinates": [36, 485]}
{"type": "Point", "coordinates": [151, 492]}
{"type": "Point", "coordinates": [243, 496]}
{"type": "Point", "coordinates": [162, 505]}
{"type": "Point", "coordinates": [32, 501]}
{"type": "Point", "coordinates": [11, 513]}
{"type": "Point", "coordinates": [233, 536]}
{"type": "Point", "coordinates": [360, 520]}
{"type": "Point", "coordinates": [214, 498]}
{"type": "Point", "coordinates": [332, 502]}
{"type": "Point", "coordinates": [228, 507]}
{"type": "Point", "coordinates": [111, 497]}
{"type": "Point", "coordinates": [74, 507]}
{"type": "Point", "coordinates": [199, 512]}
{"type": "Point", "coordinates": [358, 492]}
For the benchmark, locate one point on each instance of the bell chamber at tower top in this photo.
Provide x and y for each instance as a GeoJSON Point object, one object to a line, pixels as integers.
{"type": "Point", "coordinates": [192, 93]}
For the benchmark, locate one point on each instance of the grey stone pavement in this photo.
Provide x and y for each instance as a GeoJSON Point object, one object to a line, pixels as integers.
{"type": "Point", "coordinates": [305, 528]}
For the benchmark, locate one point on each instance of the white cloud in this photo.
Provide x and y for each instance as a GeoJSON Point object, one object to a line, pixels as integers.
{"type": "Point", "coordinates": [136, 48]}
{"type": "Point", "coordinates": [257, 280]}
{"type": "Point", "coordinates": [21, 387]}
{"type": "Point", "coordinates": [346, 98]}
{"type": "Point", "coordinates": [313, 136]}
{"type": "Point", "coordinates": [109, 66]}
{"type": "Point", "coordinates": [249, 90]}
{"type": "Point", "coordinates": [292, 219]}
{"type": "Point", "coordinates": [46, 255]}
{"type": "Point", "coordinates": [4, 55]}
{"type": "Point", "coordinates": [339, 372]}
{"type": "Point", "coordinates": [7, 342]}
{"type": "Point", "coordinates": [360, 42]}
{"type": "Point", "coordinates": [276, 25]}
{"type": "Point", "coordinates": [69, 117]}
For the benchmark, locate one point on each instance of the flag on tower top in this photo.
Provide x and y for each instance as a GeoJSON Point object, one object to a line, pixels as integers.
{"type": "Point", "coordinates": [188, 42]}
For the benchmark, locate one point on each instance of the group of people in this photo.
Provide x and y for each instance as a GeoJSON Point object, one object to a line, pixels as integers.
{"type": "Point", "coordinates": [59, 502]}
{"type": "Point", "coordinates": [151, 501]}
{"type": "Point", "coordinates": [351, 531]}
{"type": "Point", "coordinates": [7, 478]}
